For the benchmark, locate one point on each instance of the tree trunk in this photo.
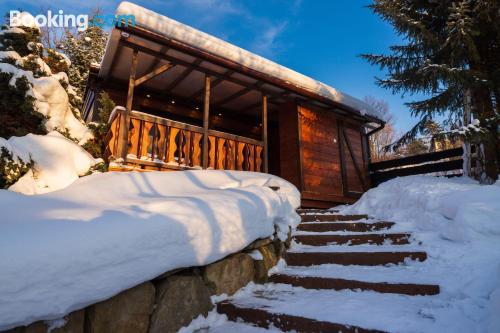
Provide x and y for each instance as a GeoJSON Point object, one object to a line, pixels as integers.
{"type": "Point", "coordinates": [467, 156]}
{"type": "Point", "coordinates": [497, 125]}
{"type": "Point", "coordinates": [487, 173]}
{"type": "Point", "coordinates": [490, 160]}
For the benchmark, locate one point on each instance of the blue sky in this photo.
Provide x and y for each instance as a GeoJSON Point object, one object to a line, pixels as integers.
{"type": "Point", "coordinates": [319, 38]}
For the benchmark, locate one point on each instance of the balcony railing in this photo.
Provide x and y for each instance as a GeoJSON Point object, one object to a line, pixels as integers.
{"type": "Point", "coordinates": [169, 144]}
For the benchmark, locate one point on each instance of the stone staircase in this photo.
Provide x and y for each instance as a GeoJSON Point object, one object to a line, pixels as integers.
{"type": "Point", "coordinates": [307, 296]}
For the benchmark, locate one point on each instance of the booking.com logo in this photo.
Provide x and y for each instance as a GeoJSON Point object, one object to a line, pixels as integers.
{"type": "Point", "coordinates": [61, 20]}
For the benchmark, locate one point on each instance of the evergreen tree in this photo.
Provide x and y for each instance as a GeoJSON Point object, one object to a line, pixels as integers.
{"type": "Point", "coordinates": [18, 116]}
{"type": "Point", "coordinates": [415, 147]}
{"type": "Point", "coordinates": [439, 137]}
{"type": "Point", "coordinates": [97, 145]}
{"type": "Point", "coordinates": [27, 105]}
{"type": "Point", "coordinates": [452, 49]}
{"type": "Point", "coordinates": [83, 48]}
{"type": "Point", "coordinates": [11, 169]}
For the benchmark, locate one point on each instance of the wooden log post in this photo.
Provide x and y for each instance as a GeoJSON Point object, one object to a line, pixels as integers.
{"type": "Point", "coordinates": [125, 120]}
{"type": "Point", "coordinates": [467, 156]}
{"type": "Point", "coordinates": [264, 133]}
{"type": "Point", "coordinates": [206, 120]}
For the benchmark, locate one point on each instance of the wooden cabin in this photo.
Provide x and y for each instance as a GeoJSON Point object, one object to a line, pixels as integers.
{"type": "Point", "coordinates": [188, 100]}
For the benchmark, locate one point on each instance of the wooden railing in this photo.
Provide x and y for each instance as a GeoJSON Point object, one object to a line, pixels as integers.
{"type": "Point", "coordinates": [170, 144]}
{"type": "Point", "coordinates": [449, 162]}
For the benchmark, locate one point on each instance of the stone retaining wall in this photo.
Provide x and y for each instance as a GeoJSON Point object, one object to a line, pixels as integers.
{"type": "Point", "coordinates": [172, 300]}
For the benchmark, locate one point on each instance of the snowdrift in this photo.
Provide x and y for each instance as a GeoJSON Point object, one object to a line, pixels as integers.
{"type": "Point", "coordinates": [457, 209]}
{"type": "Point", "coordinates": [108, 232]}
{"type": "Point", "coordinates": [458, 222]}
{"type": "Point", "coordinates": [58, 162]}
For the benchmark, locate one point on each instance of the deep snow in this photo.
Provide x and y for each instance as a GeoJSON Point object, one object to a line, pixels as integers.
{"type": "Point", "coordinates": [58, 162]}
{"type": "Point", "coordinates": [108, 232]}
{"type": "Point", "coordinates": [456, 221]}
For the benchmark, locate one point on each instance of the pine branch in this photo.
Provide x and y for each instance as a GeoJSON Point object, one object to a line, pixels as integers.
{"type": "Point", "coordinates": [447, 100]}
{"type": "Point", "coordinates": [407, 18]}
{"type": "Point", "coordinates": [409, 136]}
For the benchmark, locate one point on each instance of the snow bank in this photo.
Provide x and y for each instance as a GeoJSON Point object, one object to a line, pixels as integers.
{"type": "Point", "coordinates": [458, 209]}
{"type": "Point", "coordinates": [108, 232]}
{"type": "Point", "coordinates": [458, 223]}
{"type": "Point", "coordinates": [58, 162]}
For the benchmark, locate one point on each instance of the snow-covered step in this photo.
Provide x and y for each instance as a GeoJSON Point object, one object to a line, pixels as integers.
{"type": "Point", "coordinates": [351, 258]}
{"type": "Point", "coordinates": [382, 231]}
{"type": "Point", "coordinates": [418, 273]}
{"type": "Point", "coordinates": [312, 282]}
{"type": "Point", "coordinates": [312, 211]}
{"type": "Point", "coordinates": [353, 239]}
{"type": "Point", "coordinates": [338, 232]}
{"type": "Point", "coordinates": [386, 247]}
{"type": "Point", "coordinates": [308, 310]}
{"type": "Point", "coordinates": [332, 217]}
{"type": "Point", "coordinates": [231, 326]}
{"type": "Point", "coordinates": [339, 226]}
{"type": "Point", "coordinates": [286, 323]}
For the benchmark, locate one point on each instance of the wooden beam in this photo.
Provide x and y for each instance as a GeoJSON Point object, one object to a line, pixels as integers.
{"type": "Point", "coordinates": [125, 120]}
{"type": "Point", "coordinates": [238, 94]}
{"type": "Point", "coordinates": [382, 176]}
{"type": "Point", "coordinates": [206, 119]}
{"type": "Point", "coordinates": [264, 133]}
{"type": "Point", "coordinates": [157, 60]}
{"type": "Point", "coordinates": [154, 73]}
{"type": "Point", "coordinates": [270, 100]}
{"type": "Point", "coordinates": [417, 159]}
{"type": "Point", "coordinates": [235, 137]}
{"type": "Point", "coordinates": [214, 84]}
{"type": "Point", "coordinates": [178, 61]}
{"type": "Point", "coordinates": [185, 73]}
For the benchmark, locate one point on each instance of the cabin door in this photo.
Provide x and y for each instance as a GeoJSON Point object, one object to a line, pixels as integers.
{"type": "Point", "coordinates": [320, 155]}
{"type": "Point", "coordinates": [353, 162]}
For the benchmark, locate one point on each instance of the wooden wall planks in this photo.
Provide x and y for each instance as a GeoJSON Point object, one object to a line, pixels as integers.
{"type": "Point", "coordinates": [320, 152]}
{"type": "Point", "coordinates": [322, 155]}
{"type": "Point", "coordinates": [289, 144]}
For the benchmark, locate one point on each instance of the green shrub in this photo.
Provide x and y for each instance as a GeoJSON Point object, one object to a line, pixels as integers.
{"type": "Point", "coordinates": [17, 114]}
{"type": "Point", "coordinates": [97, 146]}
{"type": "Point", "coordinates": [11, 170]}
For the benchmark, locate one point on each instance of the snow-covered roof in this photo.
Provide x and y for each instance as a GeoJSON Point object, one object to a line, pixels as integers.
{"type": "Point", "coordinates": [173, 30]}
